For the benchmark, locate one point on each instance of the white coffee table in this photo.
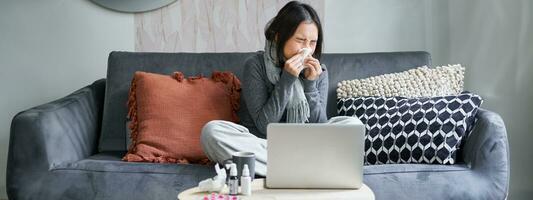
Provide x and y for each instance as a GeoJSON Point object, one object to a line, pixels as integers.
{"type": "Point", "coordinates": [260, 192]}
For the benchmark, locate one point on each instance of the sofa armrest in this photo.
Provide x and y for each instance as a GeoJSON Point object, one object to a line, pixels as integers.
{"type": "Point", "coordinates": [486, 151]}
{"type": "Point", "coordinates": [59, 132]}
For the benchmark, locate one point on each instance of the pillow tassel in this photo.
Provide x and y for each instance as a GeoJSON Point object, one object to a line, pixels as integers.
{"type": "Point", "coordinates": [179, 76]}
{"type": "Point", "coordinates": [233, 87]}
{"type": "Point", "coordinates": [132, 115]}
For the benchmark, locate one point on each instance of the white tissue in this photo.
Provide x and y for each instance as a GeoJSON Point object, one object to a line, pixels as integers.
{"type": "Point", "coordinates": [215, 184]}
{"type": "Point", "coordinates": [305, 53]}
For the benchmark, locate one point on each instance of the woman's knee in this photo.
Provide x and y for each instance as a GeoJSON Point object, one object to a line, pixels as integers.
{"type": "Point", "coordinates": [210, 130]}
{"type": "Point", "coordinates": [344, 120]}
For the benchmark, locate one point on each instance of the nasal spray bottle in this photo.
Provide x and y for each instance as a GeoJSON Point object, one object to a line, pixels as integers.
{"type": "Point", "coordinates": [233, 180]}
{"type": "Point", "coordinates": [246, 181]}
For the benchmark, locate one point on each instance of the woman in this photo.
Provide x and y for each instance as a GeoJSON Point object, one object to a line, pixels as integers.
{"type": "Point", "coordinates": [279, 85]}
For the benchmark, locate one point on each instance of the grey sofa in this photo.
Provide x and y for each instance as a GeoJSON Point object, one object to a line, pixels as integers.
{"type": "Point", "coordinates": [71, 148]}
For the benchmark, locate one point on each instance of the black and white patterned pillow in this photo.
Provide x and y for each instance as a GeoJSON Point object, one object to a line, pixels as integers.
{"type": "Point", "coordinates": [417, 130]}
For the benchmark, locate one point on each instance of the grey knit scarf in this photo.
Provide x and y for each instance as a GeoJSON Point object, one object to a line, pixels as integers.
{"type": "Point", "coordinates": [297, 107]}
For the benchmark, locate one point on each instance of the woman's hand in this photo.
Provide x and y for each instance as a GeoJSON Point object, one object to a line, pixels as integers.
{"type": "Point", "coordinates": [312, 68]}
{"type": "Point", "coordinates": [294, 65]}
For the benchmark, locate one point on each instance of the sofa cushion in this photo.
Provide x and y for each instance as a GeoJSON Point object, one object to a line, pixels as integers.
{"type": "Point", "coordinates": [168, 112]}
{"type": "Point", "coordinates": [416, 130]}
{"type": "Point", "coordinates": [110, 161]}
{"type": "Point", "coordinates": [425, 181]}
{"type": "Point", "coordinates": [105, 176]}
{"type": "Point", "coordinates": [420, 82]}
{"type": "Point", "coordinates": [122, 66]}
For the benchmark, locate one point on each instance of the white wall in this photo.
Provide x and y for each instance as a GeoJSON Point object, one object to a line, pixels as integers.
{"type": "Point", "coordinates": [50, 48]}
{"type": "Point", "coordinates": [370, 26]}
{"type": "Point", "coordinates": [387, 25]}
{"type": "Point", "coordinates": [494, 39]}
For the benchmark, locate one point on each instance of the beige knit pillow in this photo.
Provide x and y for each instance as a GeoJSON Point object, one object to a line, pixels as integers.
{"type": "Point", "coordinates": [418, 82]}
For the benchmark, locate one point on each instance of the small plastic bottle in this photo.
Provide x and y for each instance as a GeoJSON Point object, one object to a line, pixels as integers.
{"type": "Point", "coordinates": [246, 181]}
{"type": "Point", "coordinates": [233, 180]}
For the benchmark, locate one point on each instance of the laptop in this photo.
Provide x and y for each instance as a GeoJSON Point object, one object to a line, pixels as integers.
{"type": "Point", "coordinates": [315, 155]}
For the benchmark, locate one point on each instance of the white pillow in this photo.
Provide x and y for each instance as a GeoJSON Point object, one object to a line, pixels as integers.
{"type": "Point", "coordinates": [418, 82]}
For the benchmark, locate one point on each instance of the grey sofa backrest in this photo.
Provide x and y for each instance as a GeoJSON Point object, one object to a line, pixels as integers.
{"type": "Point", "coordinates": [122, 66]}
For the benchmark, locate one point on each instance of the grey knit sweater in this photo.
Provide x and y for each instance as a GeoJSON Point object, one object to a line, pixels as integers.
{"type": "Point", "coordinates": [259, 107]}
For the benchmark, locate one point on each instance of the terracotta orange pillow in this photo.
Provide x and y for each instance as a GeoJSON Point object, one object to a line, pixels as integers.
{"type": "Point", "coordinates": [168, 112]}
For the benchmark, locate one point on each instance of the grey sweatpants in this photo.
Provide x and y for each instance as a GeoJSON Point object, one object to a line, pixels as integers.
{"type": "Point", "coordinates": [220, 139]}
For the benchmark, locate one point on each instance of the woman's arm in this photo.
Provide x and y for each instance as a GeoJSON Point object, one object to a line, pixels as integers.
{"type": "Point", "coordinates": [265, 108]}
{"type": "Point", "coordinates": [316, 92]}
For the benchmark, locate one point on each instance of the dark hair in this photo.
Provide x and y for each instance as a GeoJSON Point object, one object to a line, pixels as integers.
{"type": "Point", "coordinates": [285, 23]}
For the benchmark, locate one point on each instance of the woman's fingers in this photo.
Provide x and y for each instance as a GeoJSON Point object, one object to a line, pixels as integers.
{"type": "Point", "coordinates": [315, 64]}
{"type": "Point", "coordinates": [294, 58]}
{"type": "Point", "coordinates": [314, 69]}
{"type": "Point", "coordinates": [292, 65]}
